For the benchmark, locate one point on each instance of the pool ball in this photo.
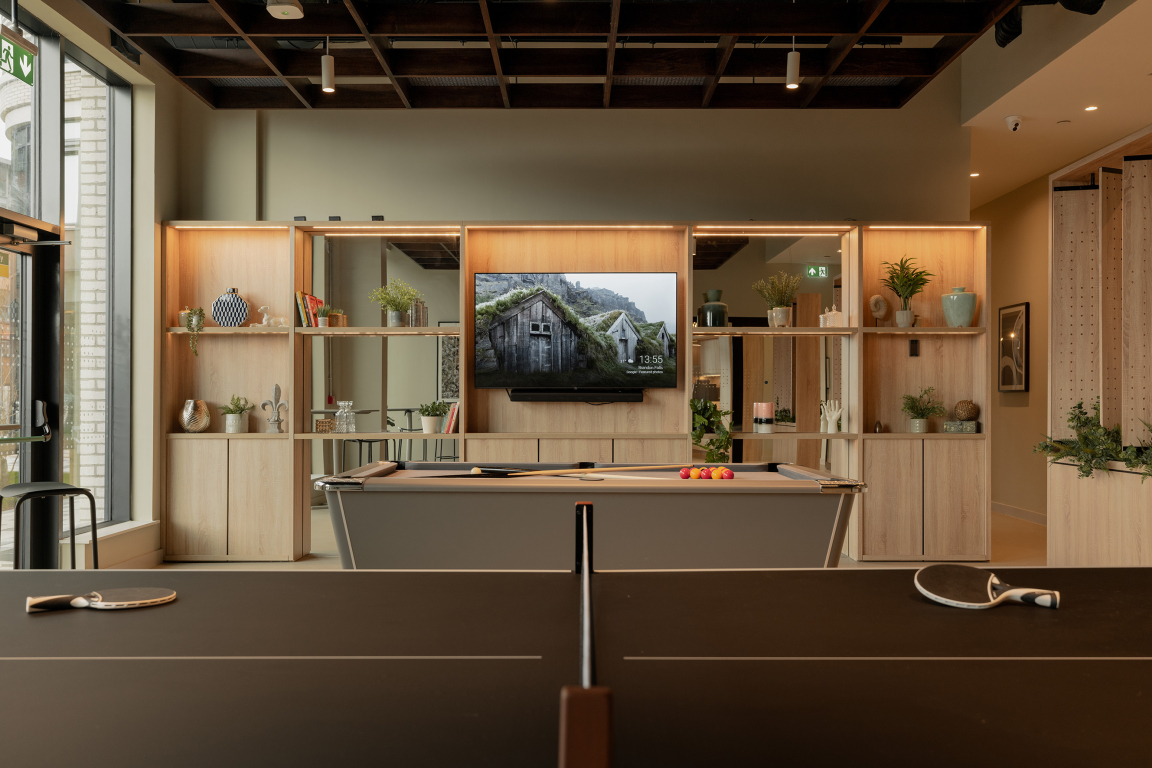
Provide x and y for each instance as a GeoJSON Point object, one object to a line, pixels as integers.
{"type": "Point", "coordinates": [694, 473]}
{"type": "Point", "coordinates": [685, 473]}
{"type": "Point", "coordinates": [717, 474]}
{"type": "Point", "coordinates": [728, 474]}
{"type": "Point", "coordinates": [705, 473]}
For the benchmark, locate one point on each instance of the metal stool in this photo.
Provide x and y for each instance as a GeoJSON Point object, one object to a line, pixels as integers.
{"type": "Point", "coordinates": [360, 449]}
{"type": "Point", "coordinates": [24, 491]}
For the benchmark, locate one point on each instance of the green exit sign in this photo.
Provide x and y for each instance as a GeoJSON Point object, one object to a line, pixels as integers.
{"type": "Point", "coordinates": [17, 55]}
{"type": "Point", "coordinates": [816, 271]}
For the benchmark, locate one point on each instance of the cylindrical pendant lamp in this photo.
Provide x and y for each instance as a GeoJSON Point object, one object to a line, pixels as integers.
{"type": "Point", "coordinates": [793, 80]}
{"type": "Point", "coordinates": [327, 71]}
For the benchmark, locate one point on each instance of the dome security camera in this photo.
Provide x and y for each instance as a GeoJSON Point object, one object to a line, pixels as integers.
{"type": "Point", "coordinates": [1013, 122]}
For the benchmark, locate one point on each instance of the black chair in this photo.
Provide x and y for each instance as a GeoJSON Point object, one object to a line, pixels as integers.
{"type": "Point", "coordinates": [360, 449]}
{"type": "Point", "coordinates": [24, 491]}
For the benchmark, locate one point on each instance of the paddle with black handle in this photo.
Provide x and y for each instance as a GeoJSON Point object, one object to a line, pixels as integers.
{"type": "Point", "coordinates": [104, 600]}
{"type": "Point", "coordinates": [963, 586]}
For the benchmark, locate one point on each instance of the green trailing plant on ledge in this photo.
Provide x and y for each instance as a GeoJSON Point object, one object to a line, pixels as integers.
{"type": "Point", "coordinates": [194, 321]}
{"type": "Point", "coordinates": [707, 418]}
{"type": "Point", "coordinates": [779, 290]}
{"type": "Point", "coordinates": [438, 408]}
{"type": "Point", "coordinates": [923, 407]}
{"type": "Point", "coordinates": [904, 280]}
{"type": "Point", "coordinates": [1094, 445]}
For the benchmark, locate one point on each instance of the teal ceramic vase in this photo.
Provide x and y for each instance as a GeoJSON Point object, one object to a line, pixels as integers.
{"type": "Point", "coordinates": [959, 308]}
{"type": "Point", "coordinates": [713, 313]}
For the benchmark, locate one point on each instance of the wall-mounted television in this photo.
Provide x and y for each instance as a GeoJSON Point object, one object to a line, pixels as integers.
{"type": "Point", "coordinates": [576, 331]}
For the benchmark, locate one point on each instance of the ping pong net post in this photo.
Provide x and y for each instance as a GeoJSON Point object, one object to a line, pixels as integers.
{"type": "Point", "coordinates": [585, 709]}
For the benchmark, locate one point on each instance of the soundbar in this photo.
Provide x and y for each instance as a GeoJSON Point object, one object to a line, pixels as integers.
{"type": "Point", "coordinates": [576, 395]}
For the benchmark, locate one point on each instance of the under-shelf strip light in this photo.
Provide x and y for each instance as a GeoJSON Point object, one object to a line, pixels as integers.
{"type": "Point", "coordinates": [572, 226]}
{"type": "Point", "coordinates": [229, 226]}
{"type": "Point", "coordinates": [768, 234]}
{"type": "Point", "coordinates": [920, 226]}
{"type": "Point", "coordinates": [773, 226]}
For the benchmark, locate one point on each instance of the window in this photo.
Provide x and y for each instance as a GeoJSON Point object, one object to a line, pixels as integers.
{"type": "Point", "coordinates": [18, 151]}
{"type": "Point", "coordinates": [546, 328]}
{"type": "Point", "coordinates": [11, 354]}
{"type": "Point", "coordinates": [534, 328]}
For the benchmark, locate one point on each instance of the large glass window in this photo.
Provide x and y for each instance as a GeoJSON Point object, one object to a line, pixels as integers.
{"type": "Point", "coordinates": [10, 373]}
{"type": "Point", "coordinates": [87, 206]}
{"type": "Point", "coordinates": [18, 151]}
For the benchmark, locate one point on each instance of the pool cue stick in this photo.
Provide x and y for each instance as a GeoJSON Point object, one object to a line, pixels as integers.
{"type": "Point", "coordinates": [543, 472]}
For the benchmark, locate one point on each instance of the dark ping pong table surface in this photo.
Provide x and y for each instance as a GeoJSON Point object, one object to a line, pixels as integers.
{"type": "Point", "coordinates": [725, 668]}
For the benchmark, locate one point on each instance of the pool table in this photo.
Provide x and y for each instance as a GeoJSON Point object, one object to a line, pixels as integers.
{"type": "Point", "coordinates": [437, 516]}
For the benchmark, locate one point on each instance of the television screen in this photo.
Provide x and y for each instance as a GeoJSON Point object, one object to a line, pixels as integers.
{"type": "Point", "coordinates": [593, 330]}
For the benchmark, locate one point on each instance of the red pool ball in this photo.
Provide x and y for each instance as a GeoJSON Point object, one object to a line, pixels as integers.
{"type": "Point", "coordinates": [705, 473]}
{"type": "Point", "coordinates": [685, 473]}
{"type": "Point", "coordinates": [728, 474]}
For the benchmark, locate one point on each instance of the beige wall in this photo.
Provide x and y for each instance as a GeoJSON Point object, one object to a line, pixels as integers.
{"type": "Point", "coordinates": [580, 164]}
{"type": "Point", "coordinates": [1019, 223]}
{"type": "Point", "coordinates": [735, 278]}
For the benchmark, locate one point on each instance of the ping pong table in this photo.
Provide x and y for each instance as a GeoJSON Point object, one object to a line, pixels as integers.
{"type": "Point", "coordinates": [726, 668]}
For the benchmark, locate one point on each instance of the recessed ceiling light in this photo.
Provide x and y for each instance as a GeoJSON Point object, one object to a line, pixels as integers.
{"type": "Point", "coordinates": [973, 175]}
{"type": "Point", "coordinates": [1090, 109]}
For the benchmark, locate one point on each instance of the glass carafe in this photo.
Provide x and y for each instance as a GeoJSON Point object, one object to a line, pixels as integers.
{"type": "Point", "coordinates": [345, 419]}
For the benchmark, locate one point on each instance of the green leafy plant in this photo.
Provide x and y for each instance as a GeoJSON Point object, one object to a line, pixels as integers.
{"type": "Point", "coordinates": [1094, 445]}
{"type": "Point", "coordinates": [438, 408]}
{"type": "Point", "coordinates": [237, 405]}
{"type": "Point", "coordinates": [904, 280]}
{"type": "Point", "coordinates": [707, 418]}
{"type": "Point", "coordinates": [923, 407]}
{"type": "Point", "coordinates": [323, 310]}
{"type": "Point", "coordinates": [779, 290]}
{"type": "Point", "coordinates": [396, 296]}
{"type": "Point", "coordinates": [334, 311]}
{"type": "Point", "coordinates": [193, 322]}
{"type": "Point", "coordinates": [783, 414]}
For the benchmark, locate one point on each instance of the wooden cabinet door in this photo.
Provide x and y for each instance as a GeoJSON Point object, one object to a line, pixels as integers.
{"type": "Point", "coordinates": [261, 519]}
{"type": "Point", "coordinates": [955, 510]}
{"type": "Point", "coordinates": [512, 450]}
{"type": "Point", "coordinates": [894, 503]}
{"type": "Point", "coordinates": [649, 451]}
{"type": "Point", "coordinates": [563, 450]}
{"type": "Point", "coordinates": [197, 491]}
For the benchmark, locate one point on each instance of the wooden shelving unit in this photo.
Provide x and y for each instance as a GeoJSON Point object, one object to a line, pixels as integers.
{"type": "Point", "coordinates": [713, 332]}
{"type": "Point", "coordinates": [928, 331]}
{"type": "Point", "coordinates": [378, 331]}
{"type": "Point", "coordinates": [243, 330]}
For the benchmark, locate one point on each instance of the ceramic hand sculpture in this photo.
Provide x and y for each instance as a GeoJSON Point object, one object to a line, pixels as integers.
{"type": "Point", "coordinates": [830, 410]}
{"type": "Point", "coordinates": [275, 420]}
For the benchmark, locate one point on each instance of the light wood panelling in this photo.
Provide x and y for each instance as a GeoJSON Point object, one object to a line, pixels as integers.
{"type": "Point", "coordinates": [782, 370]}
{"type": "Point", "coordinates": [1111, 296]}
{"type": "Point", "coordinates": [1074, 327]}
{"type": "Point", "coordinates": [512, 451]}
{"type": "Point", "coordinates": [955, 507]}
{"type": "Point", "coordinates": [1137, 379]}
{"type": "Point", "coordinates": [569, 450]}
{"type": "Point", "coordinates": [659, 451]}
{"type": "Point", "coordinates": [197, 504]}
{"type": "Point", "coordinates": [574, 250]}
{"type": "Point", "coordinates": [256, 262]}
{"type": "Point", "coordinates": [894, 505]}
{"type": "Point", "coordinates": [260, 494]}
{"type": "Point", "coordinates": [1105, 520]}
{"type": "Point", "coordinates": [950, 364]}
{"type": "Point", "coordinates": [808, 391]}
{"type": "Point", "coordinates": [950, 255]}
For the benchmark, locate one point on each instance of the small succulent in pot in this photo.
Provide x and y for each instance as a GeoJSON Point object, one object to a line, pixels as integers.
{"type": "Point", "coordinates": [430, 415]}
{"type": "Point", "coordinates": [322, 313]}
{"type": "Point", "coordinates": [921, 408]}
{"type": "Point", "coordinates": [236, 414]}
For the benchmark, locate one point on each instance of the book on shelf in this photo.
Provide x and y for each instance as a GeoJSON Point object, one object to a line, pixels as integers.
{"type": "Point", "coordinates": [300, 308]}
{"type": "Point", "coordinates": [450, 422]}
{"type": "Point", "coordinates": [313, 305]}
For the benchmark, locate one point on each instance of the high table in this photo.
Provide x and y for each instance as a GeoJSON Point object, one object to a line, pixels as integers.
{"type": "Point", "coordinates": [338, 442]}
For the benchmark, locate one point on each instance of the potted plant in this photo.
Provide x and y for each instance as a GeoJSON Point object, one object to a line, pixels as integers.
{"type": "Point", "coordinates": [322, 313]}
{"type": "Point", "coordinates": [904, 280]}
{"type": "Point", "coordinates": [779, 291]}
{"type": "Point", "coordinates": [396, 297]}
{"type": "Point", "coordinates": [236, 415]}
{"type": "Point", "coordinates": [337, 319]}
{"type": "Point", "coordinates": [707, 418]}
{"type": "Point", "coordinates": [922, 408]}
{"type": "Point", "coordinates": [194, 322]}
{"type": "Point", "coordinates": [430, 415]}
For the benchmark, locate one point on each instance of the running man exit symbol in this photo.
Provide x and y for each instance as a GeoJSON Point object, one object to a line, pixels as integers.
{"type": "Point", "coordinates": [817, 271]}
{"type": "Point", "coordinates": [17, 60]}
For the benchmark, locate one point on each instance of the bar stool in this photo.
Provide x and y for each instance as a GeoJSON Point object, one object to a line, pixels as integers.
{"type": "Point", "coordinates": [24, 491]}
{"type": "Point", "coordinates": [360, 449]}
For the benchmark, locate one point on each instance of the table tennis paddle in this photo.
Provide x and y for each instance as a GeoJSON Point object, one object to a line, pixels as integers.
{"type": "Point", "coordinates": [104, 600]}
{"type": "Point", "coordinates": [962, 586]}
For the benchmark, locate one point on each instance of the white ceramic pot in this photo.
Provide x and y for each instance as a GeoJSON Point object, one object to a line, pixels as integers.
{"type": "Point", "coordinates": [919, 426]}
{"type": "Point", "coordinates": [781, 317]}
{"type": "Point", "coordinates": [321, 322]}
{"type": "Point", "coordinates": [235, 423]}
{"type": "Point", "coordinates": [431, 424]}
{"type": "Point", "coordinates": [905, 318]}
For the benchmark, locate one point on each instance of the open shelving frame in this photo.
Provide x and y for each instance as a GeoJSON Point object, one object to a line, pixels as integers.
{"type": "Point", "coordinates": [269, 261]}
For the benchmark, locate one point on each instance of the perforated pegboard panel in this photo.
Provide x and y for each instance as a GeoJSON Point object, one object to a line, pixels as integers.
{"type": "Point", "coordinates": [1111, 296]}
{"type": "Point", "coordinates": [1136, 400]}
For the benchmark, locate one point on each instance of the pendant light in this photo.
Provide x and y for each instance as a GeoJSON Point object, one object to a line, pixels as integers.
{"type": "Point", "coordinates": [327, 70]}
{"type": "Point", "coordinates": [793, 80]}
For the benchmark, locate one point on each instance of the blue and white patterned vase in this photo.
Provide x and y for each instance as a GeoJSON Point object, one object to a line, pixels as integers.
{"type": "Point", "coordinates": [230, 310]}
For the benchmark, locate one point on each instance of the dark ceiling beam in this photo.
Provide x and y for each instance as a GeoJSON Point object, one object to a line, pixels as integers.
{"type": "Point", "coordinates": [452, 62]}
{"type": "Point", "coordinates": [841, 45]}
{"type": "Point", "coordinates": [239, 16]}
{"type": "Point", "coordinates": [949, 48]}
{"type": "Point", "coordinates": [381, 49]}
{"type": "Point", "coordinates": [557, 19]}
{"type": "Point", "coordinates": [494, 44]}
{"type": "Point", "coordinates": [256, 98]}
{"type": "Point", "coordinates": [613, 27]}
{"type": "Point", "coordinates": [724, 50]}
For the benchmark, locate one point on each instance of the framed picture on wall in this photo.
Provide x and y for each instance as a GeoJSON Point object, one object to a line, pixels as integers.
{"type": "Point", "coordinates": [448, 364]}
{"type": "Point", "coordinates": [1013, 367]}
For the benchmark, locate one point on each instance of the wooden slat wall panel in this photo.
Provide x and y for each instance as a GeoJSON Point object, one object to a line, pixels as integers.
{"type": "Point", "coordinates": [955, 513]}
{"type": "Point", "coordinates": [894, 504]}
{"type": "Point", "coordinates": [1111, 297]}
{"type": "Point", "coordinates": [1075, 346]}
{"type": "Point", "coordinates": [1102, 521]}
{"type": "Point", "coordinates": [197, 504]}
{"type": "Point", "coordinates": [1136, 402]}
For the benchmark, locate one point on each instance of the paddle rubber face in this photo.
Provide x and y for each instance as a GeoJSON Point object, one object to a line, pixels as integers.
{"type": "Point", "coordinates": [951, 584]}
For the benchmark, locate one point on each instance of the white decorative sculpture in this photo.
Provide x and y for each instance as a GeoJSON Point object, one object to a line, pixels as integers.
{"type": "Point", "coordinates": [267, 320]}
{"type": "Point", "coordinates": [878, 306]}
{"type": "Point", "coordinates": [830, 411]}
{"type": "Point", "coordinates": [276, 404]}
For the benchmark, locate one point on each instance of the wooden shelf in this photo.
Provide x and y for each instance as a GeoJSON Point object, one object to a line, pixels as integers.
{"type": "Point", "coordinates": [225, 436]}
{"type": "Point", "coordinates": [215, 331]}
{"type": "Point", "coordinates": [775, 331]}
{"type": "Point", "coordinates": [792, 436]}
{"type": "Point", "coordinates": [923, 435]}
{"type": "Point", "coordinates": [575, 436]}
{"type": "Point", "coordinates": [370, 331]}
{"type": "Point", "coordinates": [929, 331]}
{"type": "Point", "coordinates": [375, 436]}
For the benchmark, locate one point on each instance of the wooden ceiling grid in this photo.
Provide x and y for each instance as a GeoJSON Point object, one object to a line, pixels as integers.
{"type": "Point", "coordinates": [252, 45]}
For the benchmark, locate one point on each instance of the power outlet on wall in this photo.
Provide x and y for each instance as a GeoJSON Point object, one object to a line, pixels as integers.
{"type": "Point", "coordinates": [914, 348]}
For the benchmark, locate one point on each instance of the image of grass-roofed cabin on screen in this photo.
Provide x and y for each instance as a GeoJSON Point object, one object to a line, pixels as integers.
{"type": "Point", "coordinates": [565, 330]}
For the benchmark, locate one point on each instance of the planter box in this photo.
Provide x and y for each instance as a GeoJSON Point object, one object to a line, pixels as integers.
{"type": "Point", "coordinates": [1105, 520]}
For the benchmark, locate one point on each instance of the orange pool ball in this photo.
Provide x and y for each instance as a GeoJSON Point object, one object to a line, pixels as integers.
{"type": "Point", "coordinates": [694, 473]}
